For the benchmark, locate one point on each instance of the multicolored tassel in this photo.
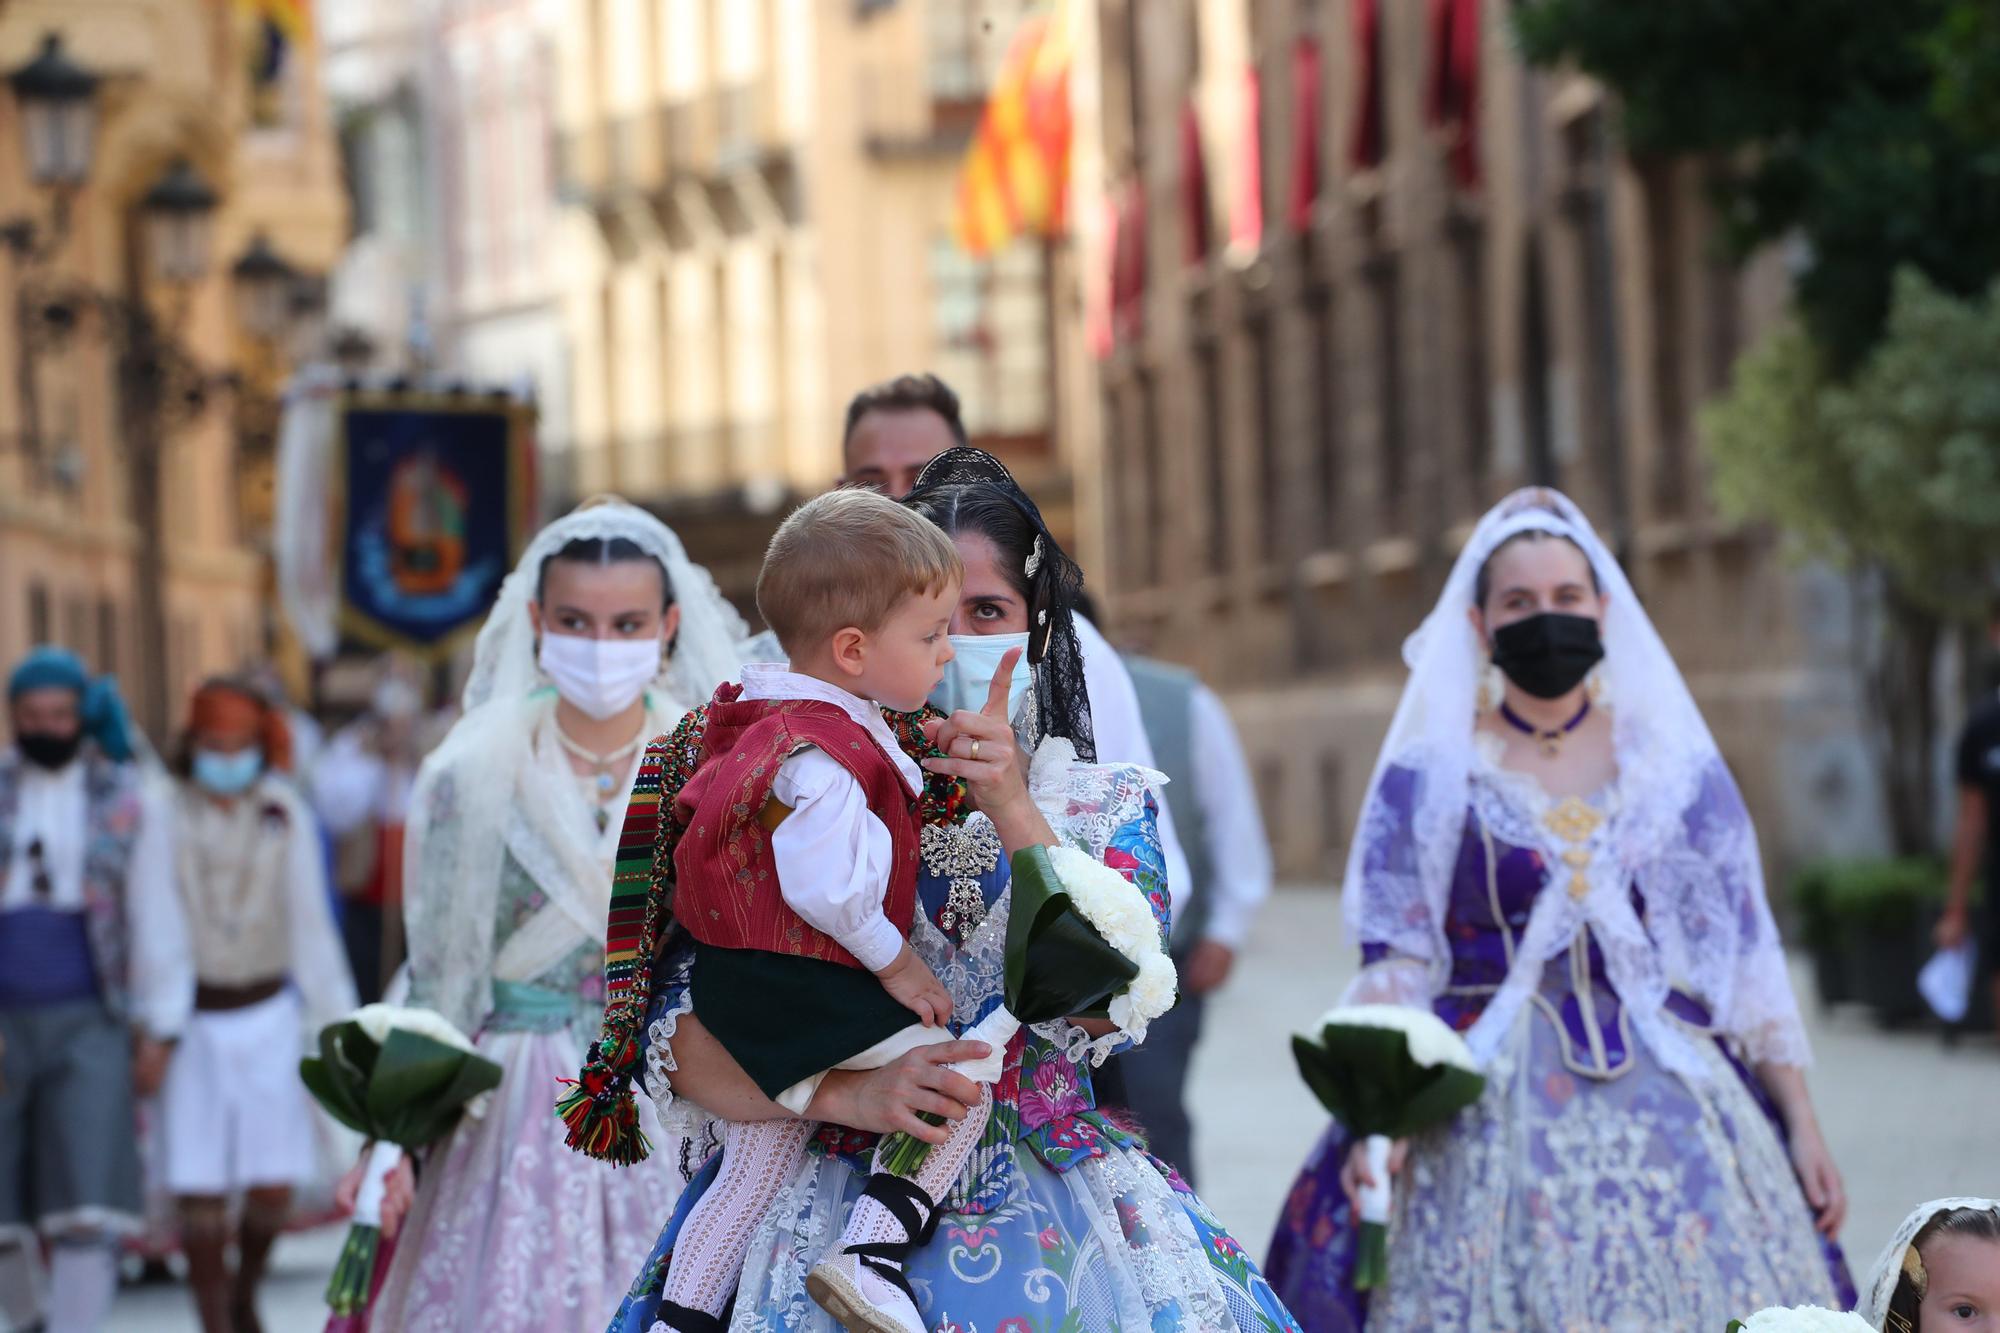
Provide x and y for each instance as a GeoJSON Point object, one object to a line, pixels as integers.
{"type": "Point", "coordinates": [599, 1110]}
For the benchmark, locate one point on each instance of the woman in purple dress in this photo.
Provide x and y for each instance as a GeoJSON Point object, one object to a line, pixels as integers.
{"type": "Point", "coordinates": [1553, 857]}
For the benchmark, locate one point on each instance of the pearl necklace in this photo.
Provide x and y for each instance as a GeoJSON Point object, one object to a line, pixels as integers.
{"type": "Point", "coordinates": [603, 765]}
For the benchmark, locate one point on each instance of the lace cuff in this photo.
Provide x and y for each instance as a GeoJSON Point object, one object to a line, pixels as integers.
{"type": "Point", "coordinates": [678, 1115]}
{"type": "Point", "coordinates": [1395, 979]}
{"type": "Point", "coordinates": [1774, 1039]}
{"type": "Point", "coordinates": [1087, 803]}
{"type": "Point", "coordinates": [1079, 1047]}
{"type": "Point", "coordinates": [1762, 1018]}
{"type": "Point", "coordinates": [1776, 1044]}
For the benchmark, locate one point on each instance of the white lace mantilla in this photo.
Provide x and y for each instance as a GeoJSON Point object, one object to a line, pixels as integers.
{"type": "Point", "coordinates": [499, 785]}
{"type": "Point", "coordinates": [1673, 824]}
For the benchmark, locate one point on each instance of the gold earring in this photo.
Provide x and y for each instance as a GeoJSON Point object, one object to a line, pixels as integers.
{"type": "Point", "coordinates": [1492, 687]}
{"type": "Point", "coordinates": [1595, 687]}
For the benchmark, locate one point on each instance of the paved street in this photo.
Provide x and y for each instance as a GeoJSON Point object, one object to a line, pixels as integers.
{"type": "Point", "coordinates": [1907, 1120]}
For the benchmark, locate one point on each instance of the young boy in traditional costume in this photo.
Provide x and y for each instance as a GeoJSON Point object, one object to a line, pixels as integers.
{"type": "Point", "coordinates": [796, 876]}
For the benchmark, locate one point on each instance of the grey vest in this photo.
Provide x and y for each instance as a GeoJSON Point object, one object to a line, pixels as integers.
{"type": "Point", "coordinates": [1166, 707]}
{"type": "Point", "coordinates": [112, 811]}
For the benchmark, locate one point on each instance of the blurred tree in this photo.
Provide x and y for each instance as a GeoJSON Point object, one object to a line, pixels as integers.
{"type": "Point", "coordinates": [1895, 471]}
{"type": "Point", "coordinates": [1865, 130]}
{"type": "Point", "coordinates": [1966, 47]}
{"type": "Point", "coordinates": [1868, 135]}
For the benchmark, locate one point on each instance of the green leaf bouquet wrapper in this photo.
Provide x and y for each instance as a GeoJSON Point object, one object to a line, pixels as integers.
{"type": "Point", "coordinates": [1058, 965]}
{"type": "Point", "coordinates": [402, 1085]}
{"type": "Point", "coordinates": [1385, 1072]}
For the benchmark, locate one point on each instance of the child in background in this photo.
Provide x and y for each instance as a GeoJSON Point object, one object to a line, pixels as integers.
{"type": "Point", "coordinates": [1942, 1271]}
{"type": "Point", "coordinates": [796, 876]}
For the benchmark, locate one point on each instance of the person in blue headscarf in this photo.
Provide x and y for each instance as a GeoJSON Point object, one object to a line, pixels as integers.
{"type": "Point", "coordinates": [96, 982]}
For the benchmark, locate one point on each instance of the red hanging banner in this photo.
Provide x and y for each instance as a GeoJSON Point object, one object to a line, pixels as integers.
{"type": "Point", "coordinates": [1305, 132]}
{"type": "Point", "coordinates": [1097, 313]}
{"type": "Point", "coordinates": [1128, 265]}
{"type": "Point", "coordinates": [1451, 101]}
{"type": "Point", "coordinates": [1365, 149]}
{"type": "Point", "coordinates": [1195, 240]}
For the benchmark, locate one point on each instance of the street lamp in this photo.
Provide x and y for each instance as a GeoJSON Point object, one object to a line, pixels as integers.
{"type": "Point", "coordinates": [58, 114]}
{"type": "Point", "coordinates": [353, 351]}
{"type": "Point", "coordinates": [178, 211]}
{"type": "Point", "coordinates": [266, 287]}
{"type": "Point", "coordinates": [160, 383]}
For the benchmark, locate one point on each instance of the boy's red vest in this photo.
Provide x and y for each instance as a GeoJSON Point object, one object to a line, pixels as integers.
{"type": "Point", "coordinates": [725, 879]}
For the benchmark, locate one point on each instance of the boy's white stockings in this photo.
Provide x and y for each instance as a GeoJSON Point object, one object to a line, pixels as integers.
{"type": "Point", "coordinates": [758, 1160]}
{"type": "Point", "coordinates": [870, 1223]}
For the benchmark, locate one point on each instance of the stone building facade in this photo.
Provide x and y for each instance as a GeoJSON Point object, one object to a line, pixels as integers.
{"type": "Point", "coordinates": [1357, 298]}
{"type": "Point", "coordinates": [763, 196]}
{"type": "Point", "coordinates": [176, 82]}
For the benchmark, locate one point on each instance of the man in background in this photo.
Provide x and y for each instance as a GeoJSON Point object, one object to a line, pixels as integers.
{"type": "Point", "coordinates": [1214, 804]}
{"type": "Point", "coordinates": [1976, 842]}
{"type": "Point", "coordinates": [96, 984]}
{"type": "Point", "coordinates": [360, 788]}
{"type": "Point", "coordinates": [893, 430]}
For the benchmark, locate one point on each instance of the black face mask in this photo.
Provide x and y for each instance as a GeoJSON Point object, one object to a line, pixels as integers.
{"type": "Point", "coordinates": [1548, 655]}
{"type": "Point", "coordinates": [46, 750]}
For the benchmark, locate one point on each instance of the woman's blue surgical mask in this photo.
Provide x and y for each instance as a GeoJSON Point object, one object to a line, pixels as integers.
{"type": "Point", "coordinates": [969, 675]}
{"type": "Point", "coordinates": [227, 774]}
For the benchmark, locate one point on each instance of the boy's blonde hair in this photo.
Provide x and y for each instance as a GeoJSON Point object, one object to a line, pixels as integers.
{"type": "Point", "coordinates": [846, 559]}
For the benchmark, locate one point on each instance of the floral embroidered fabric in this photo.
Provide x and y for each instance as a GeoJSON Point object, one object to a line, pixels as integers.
{"type": "Point", "coordinates": [1060, 1219]}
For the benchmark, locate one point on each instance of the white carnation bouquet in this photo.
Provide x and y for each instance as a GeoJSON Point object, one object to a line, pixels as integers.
{"type": "Point", "coordinates": [1386, 1072]}
{"type": "Point", "coordinates": [1802, 1319]}
{"type": "Point", "coordinates": [1082, 942]}
{"type": "Point", "coordinates": [401, 1077]}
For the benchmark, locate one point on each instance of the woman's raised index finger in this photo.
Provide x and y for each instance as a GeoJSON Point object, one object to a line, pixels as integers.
{"type": "Point", "coordinates": [996, 693]}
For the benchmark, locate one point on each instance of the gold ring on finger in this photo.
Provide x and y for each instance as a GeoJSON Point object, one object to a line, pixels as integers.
{"type": "Point", "coordinates": [975, 747]}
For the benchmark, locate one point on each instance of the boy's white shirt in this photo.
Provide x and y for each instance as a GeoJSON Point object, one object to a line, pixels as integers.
{"type": "Point", "coordinates": [833, 855]}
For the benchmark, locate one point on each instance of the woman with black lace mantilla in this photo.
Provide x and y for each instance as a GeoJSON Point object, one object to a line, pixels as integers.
{"type": "Point", "coordinates": [1020, 1236]}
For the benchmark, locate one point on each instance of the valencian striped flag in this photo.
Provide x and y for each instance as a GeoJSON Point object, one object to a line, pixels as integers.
{"type": "Point", "coordinates": [275, 29]}
{"type": "Point", "coordinates": [292, 17]}
{"type": "Point", "coordinates": [1017, 170]}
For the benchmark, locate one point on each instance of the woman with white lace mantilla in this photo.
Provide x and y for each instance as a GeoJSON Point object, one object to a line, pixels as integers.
{"type": "Point", "coordinates": [602, 637]}
{"type": "Point", "coordinates": [1060, 1219]}
{"type": "Point", "coordinates": [1554, 859]}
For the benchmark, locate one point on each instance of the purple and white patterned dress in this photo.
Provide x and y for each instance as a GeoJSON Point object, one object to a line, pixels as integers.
{"type": "Point", "coordinates": [1590, 1187]}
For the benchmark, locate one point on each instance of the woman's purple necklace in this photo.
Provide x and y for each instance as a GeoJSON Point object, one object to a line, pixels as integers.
{"type": "Point", "coordinates": [1551, 738]}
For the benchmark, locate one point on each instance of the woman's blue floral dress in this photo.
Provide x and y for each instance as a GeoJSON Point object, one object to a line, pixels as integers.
{"type": "Point", "coordinates": [1061, 1223]}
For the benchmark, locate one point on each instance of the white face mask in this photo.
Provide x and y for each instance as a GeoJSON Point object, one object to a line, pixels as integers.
{"type": "Point", "coordinates": [600, 676]}
{"type": "Point", "coordinates": [968, 677]}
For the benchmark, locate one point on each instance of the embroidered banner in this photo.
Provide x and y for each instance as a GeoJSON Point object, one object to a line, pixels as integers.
{"type": "Point", "coordinates": [433, 500]}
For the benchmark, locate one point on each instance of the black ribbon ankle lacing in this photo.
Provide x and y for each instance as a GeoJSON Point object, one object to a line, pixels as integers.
{"type": "Point", "coordinates": [683, 1319]}
{"type": "Point", "coordinates": [915, 1210]}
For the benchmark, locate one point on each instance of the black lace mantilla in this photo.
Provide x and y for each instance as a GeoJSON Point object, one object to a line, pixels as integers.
{"type": "Point", "coordinates": [1055, 582]}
